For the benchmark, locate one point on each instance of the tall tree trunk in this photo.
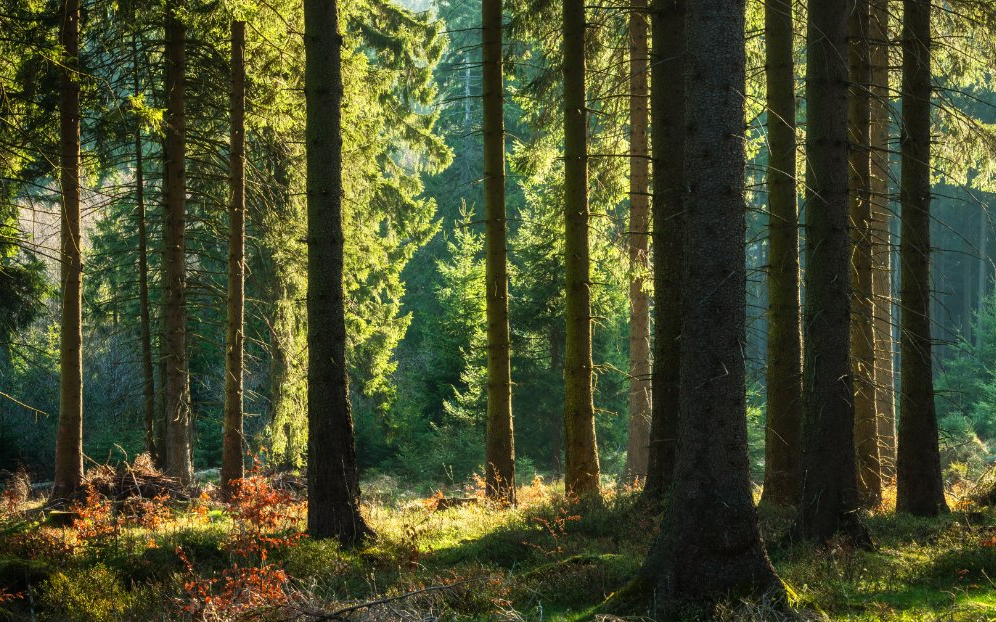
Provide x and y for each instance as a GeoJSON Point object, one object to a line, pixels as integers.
{"type": "Point", "coordinates": [500, 445]}
{"type": "Point", "coordinates": [784, 371]}
{"type": "Point", "coordinates": [709, 542]}
{"type": "Point", "coordinates": [581, 472]}
{"type": "Point", "coordinates": [829, 495]}
{"type": "Point", "coordinates": [885, 396]}
{"type": "Point", "coordinates": [640, 401]}
{"type": "Point", "coordinates": [232, 464]}
{"type": "Point", "coordinates": [145, 322]}
{"type": "Point", "coordinates": [667, 111]}
{"type": "Point", "coordinates": [862, 305]}
{"type": "Point", "coordinates": [920, 490]}
{"type": "Point", "coordinates": [983, 266]}
{"type": "Point", "coordinates": [333, 481]}
{"type": "Point", "coordinates": [69, 437]}
{"type": "Point", "coordinates": [179, 425]}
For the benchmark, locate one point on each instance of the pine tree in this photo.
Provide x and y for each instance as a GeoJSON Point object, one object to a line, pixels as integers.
{"type": "Point", "coordinates": [232, 466]}
{"type": "Point", "coordinates": [829, 501]}
{"type": "Point", "coordinates": [919, 488]}
{"type": "Point", "coordinates": [69, 438]}
{"type": "Point", "coordinates": [333, 482]}
{"type": "Point", "coordinates": [784, 371]}
{"type": "Point", "coordinates": [580, 452]}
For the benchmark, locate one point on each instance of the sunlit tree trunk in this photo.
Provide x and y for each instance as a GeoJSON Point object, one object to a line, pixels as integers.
{"type": "Point", "coordinates": [829, 497]}
{"type": "Point", "coordinates": [667, 111]}
{"type": "Point", "coordinates": [179, 425]}
{"type": "Point", "coordinates": [69, 437]}
{"type": "Point", "coordinates": [709, 543]}
{"type": "Point", "coordinates": [784, 371]}
{"type": "Point", "coordinates": [920, 489]}
{"type": "Point", "coordinates": [885, 395]}
{"type": "Point", "coordinates": [333, 481]}
{"type": "Point", "coordinates": [640, 401]}
{"type": "Point", "coordinates": [500, 445]}
{"type": "Point", "coordinates": [232, 465]}
{"type": "Point", "coordinates": [581, 470]}
{"type": "Point", "coordinates": [862, 305]}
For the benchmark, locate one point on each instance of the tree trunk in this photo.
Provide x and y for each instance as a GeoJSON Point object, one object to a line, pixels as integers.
{"type": "Point", "coordinates": [581, 472]}
{"type": "Point", "coordinates": [232, 465]}
{"type": "Point", "coordinates": [179, 428]}
{"type": "Point", "coordinates": [784, 371]}
{"type": "Point", "coordinates": [667, 110]}
{"type": "Point", "coordinates": [333, 481]}
{"type": "Point", "coordinates": [862, 305]}
{"type": "Point", "coordinates": [69, 437]}
{"type": "Point", "coordinates": [640, 401]}
{"type": "Point", "coordinates": [829, 497]}
{"type": "Point", "coordinates": [500, 445]}
{"type": "Point", "coordinates": [983, 267]}
{"type": "Point", "coordinates": [148, 376]}
{"type": "Point", "coordinates": [920, 490]}
{"type": "Point", "coordinates": [879, 115]}
{"type": "Point", "coordinates": [709, 543]}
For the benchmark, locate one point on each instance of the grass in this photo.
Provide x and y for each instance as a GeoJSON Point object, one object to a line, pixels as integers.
{"type": "Point", "coordinates": [545, 560]}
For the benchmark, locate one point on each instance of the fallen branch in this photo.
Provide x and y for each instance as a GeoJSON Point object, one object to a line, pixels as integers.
{"type": "Point", "coordinates": [339, 613]}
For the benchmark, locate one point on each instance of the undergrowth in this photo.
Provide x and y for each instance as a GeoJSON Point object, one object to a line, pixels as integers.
{"type": "Point", "coordinates": [549, 559]}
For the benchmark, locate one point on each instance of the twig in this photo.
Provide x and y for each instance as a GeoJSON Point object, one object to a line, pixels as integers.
{"type": "Point", "coordinates": [324, 617]}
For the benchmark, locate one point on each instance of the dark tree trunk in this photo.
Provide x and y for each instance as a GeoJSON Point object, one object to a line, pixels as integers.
{"type": "Point", "coordinates": [333, 481]}
{"type": "Point", "coordinates": [232, 464]}
{"type": "Point", "coordinates": [500, 444]}
{"type": "Point", "coordinates": [863, 305]}
{"type": "Point", "coordinates": [920, 490]}
{"type": "Point", "coordinates": [667, 111]}
{"type": "Point", "coordinates": [179, 426]}
{"type": "Point", "coordinates": [885, 395]}
{"type": "Point", "coordinates": [784, 372]}
{"type": "Point", "coordinates": [829, 496]}
{"type": "Point", "coordinates": [709, 543]}
{"type": "Point", "coordinates": [640, 401]}
{"type": "Point", "coordinates": [581, 471]}
{"type": "Point", "coordinates": [69, 437]}
{"type": "Point", "coordinates": [145, 322]}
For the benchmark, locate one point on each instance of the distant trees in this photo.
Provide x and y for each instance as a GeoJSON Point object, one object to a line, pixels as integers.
{"type": "Point", "coordinates": [333, 482]}
{"type": "Point", "coordinates": [69, 439]}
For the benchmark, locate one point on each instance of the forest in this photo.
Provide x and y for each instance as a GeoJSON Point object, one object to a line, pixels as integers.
{"type": "Point", "coordinates": [497, 310]}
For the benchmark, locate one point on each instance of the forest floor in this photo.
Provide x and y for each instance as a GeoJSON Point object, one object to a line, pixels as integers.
{"type": "Point", "coordinates": [547, 560]}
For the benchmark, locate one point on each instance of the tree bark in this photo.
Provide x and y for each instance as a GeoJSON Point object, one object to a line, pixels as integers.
{"type": "Point", "coordinates": [333, 481]}
{"type": "Point", "coordinates": [920, 490]}
{"type": "Point", "coordinates": [829, 497]}
{"type": "Point", "coordinates": [640, 400]}
{"type": "Point", "coordinates": [500, 443]}
{"type": "Point", "coordinates": [885, 396]}
{"type": "Point", "coordinates": [581, 470]}
{"type": "Point", "coordinates": [862, 305]}
{"type": "Point", "coordinates": [179, 426]}
{"type": "Point", "coordinates": [69, 437]}
{"type": "Point", "coordinates": [667, 111]}
{"type": "Point", "coordinates": [709, 543]}
{"type": "Point", "coordinates": [784, 371]}
{"type": "Point", "coordinates": [145, 322]}
{"type": "Point", "coordinates": [232, 464]}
